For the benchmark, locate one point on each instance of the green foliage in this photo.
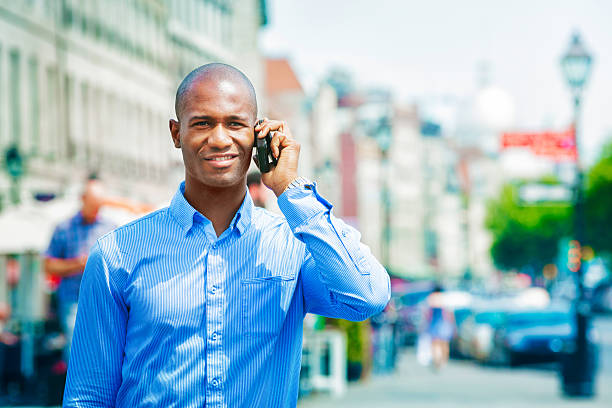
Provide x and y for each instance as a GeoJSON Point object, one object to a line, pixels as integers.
{"type": "Point", "coordinates": [599, 203]}
{"type": "Point", "coordinates": [357, 335]}
{"type": "Point", "coordinates": [525, 234]}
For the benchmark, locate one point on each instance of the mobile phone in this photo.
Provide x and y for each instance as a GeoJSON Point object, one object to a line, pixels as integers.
{"type": "Point", "coordinates": [265, 158]}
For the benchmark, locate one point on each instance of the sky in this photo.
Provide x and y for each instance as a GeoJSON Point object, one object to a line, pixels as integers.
{"type": "Point", "coordinates": [435, 48]}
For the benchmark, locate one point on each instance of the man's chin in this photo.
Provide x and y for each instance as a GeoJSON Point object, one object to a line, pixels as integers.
{"type": "Point", "coordinates": [222, 181]}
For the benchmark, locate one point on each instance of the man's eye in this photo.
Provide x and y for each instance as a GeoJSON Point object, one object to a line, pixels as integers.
{"type": "Point", "coordinates": [235, 124]}
{"type": "Point", "coordinates": [202, 123]}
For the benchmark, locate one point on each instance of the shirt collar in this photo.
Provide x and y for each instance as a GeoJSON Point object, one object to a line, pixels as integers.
{"type": "Point", "coordinates": [185, 214]}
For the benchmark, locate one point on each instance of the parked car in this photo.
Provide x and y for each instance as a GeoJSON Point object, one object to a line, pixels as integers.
{"type": "Point", "coordinates": [532, 336]}
{"type": "Point", "coordinates": [602, 298]}
{"type": "Point", "coordinates": [481, 332]}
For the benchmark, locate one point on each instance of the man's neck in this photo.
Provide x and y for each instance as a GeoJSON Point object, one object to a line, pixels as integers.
{"type": "Point", "coordinates": [87, 220]}
{"type": "Point", "coordinates": [219, 205]}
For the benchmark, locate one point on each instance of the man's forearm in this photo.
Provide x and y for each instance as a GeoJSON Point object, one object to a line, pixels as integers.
{"type": "Point", "coordinates": [64, 267]}
{"type": "Point", "coordinates": [344, 267]}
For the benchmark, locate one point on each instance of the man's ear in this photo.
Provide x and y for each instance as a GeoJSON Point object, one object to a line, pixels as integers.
{"type": "Point", "coordinates": [174, 132]}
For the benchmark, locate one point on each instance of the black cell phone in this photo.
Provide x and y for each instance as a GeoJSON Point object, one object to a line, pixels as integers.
{"type": "Point", "coordinates": [265, 158]}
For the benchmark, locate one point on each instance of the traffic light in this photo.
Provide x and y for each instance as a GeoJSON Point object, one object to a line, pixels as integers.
{"type": "Point", "coordinates": [574, 256]}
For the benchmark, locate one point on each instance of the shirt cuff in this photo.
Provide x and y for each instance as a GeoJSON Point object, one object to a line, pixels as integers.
{"type": "Point", "coordinates": [299, 204]}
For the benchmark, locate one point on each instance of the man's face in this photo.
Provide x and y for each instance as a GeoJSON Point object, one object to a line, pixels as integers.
{"type": "Point", "coordinates": [215, 132]}
{"type": "Point", "coordinates": [93, 200]}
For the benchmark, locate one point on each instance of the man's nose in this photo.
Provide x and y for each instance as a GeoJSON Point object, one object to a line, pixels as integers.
{"type": "Point", "coordinates": [219, 137]}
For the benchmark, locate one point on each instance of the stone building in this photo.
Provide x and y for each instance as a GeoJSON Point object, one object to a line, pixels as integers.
{"type": "Point", "coordinates": [89, 85]}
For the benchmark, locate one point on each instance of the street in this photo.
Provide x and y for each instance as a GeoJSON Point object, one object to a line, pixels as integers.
{"type": "Point", "coordinates": [466, 384]}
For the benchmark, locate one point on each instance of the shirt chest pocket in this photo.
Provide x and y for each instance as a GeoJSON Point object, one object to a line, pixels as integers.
{"type": "Point", "coordinates": [265, 301]}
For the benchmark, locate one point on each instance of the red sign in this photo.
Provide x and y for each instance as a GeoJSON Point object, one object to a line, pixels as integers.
{"type": "Point", "coordinates": [556, 145]}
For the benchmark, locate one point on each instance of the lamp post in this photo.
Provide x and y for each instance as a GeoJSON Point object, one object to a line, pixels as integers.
{"type": "Point", "coordinates": [13, 162]}
{"type": "Point", "coordinates": [578, 364]}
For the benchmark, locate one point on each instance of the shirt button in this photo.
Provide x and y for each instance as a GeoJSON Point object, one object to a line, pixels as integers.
{"type": "Point", "coordinates": [344, 233]}
{"type": "Point", "coordinates": [214, 336]}
{"type": "Point", "coordinates": [215, 382]}
{"type": "Point", "coordinates": [213, 290]}
{"type": "Point", "coordinates": [214, 246]}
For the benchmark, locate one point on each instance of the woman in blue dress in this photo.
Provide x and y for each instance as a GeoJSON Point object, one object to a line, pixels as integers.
{"type": "Point", "coordinates": [441, 326]}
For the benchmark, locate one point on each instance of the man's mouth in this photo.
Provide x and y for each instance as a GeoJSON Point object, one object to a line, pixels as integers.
{"type": "Point", "coordinates": [221, 160]}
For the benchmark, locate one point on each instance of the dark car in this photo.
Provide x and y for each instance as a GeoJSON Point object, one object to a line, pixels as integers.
{"type": "Point", "coordinates": [532, 336]}
{"type": "Point", "coordinates": [602, 298]}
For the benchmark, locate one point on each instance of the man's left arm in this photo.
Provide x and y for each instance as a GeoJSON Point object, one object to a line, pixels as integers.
{"type": "Point", "coordinates": [339, 275]}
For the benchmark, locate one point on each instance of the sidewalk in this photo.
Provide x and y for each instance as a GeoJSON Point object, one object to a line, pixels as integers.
{"type": "Point", "coordinates": [461, 384]}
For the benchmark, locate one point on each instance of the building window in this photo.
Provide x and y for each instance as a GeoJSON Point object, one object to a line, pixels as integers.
{"type": "Point", "coordinates": [86, 123]}
{"type": "Point", "coordinates": [34, 105]}
{"type": "Point", "coordinates": [52, 142]}
{"type": "Point", "coordinates": [95, 144]}
{"type": "Point", "coordinates": [67, 14]}
{"type": "Point", "coordinates": [68, 144]}
{"type": "Point", "coordinates": [1, 99]}
{"type": "Point", "coordinates": [84, 16]}
{"type": "Point", "coordinates": [15, 95]}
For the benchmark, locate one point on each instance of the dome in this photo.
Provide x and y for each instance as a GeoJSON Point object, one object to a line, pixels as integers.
{"type": "Point", "coordinates": [494, 108]}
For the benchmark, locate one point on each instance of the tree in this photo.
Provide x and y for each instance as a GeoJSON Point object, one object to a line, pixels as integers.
{"type": "Point", "coordinates": [599, 203]}
{"type": "Point", "coordinates": [525, 234]}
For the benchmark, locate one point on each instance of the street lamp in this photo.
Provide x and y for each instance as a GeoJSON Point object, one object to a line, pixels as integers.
{"type": "Point", "coordinates": [13, 163]}
{"type": "Point", "coordinates": [578, 364]}
{"type": "Point", "coordinates": [576, 65]}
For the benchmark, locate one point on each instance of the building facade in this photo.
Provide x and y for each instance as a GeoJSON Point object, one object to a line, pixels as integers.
{"type": "Point", "coordinates": [88, 86]}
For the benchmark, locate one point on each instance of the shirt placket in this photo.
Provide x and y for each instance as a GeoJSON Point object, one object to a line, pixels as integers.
{"type": "Point", "coordinates": [214, 327]}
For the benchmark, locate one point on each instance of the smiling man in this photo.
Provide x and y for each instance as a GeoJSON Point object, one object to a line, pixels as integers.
{"type": "Point", "coordinates": [202, 303]}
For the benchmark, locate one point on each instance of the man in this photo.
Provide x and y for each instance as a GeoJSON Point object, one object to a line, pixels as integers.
{"type": "Point", "coordinates": [257, 190]}
{"type": "Point", "coordinates": [9, 365]}
{"type": "Point", "coordinates": [202, 303]}
{"type": "Point", "coordinates": [66, 255]}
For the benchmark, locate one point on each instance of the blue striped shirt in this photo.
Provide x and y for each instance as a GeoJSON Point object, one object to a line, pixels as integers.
{"type": "Point", "coordinates": [172, 315]}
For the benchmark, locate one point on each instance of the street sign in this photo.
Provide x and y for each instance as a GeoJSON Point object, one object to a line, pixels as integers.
{"type": "Point", "coordinates": [539, 193]}
{"type": "Point", "coordinates": [560, 146]}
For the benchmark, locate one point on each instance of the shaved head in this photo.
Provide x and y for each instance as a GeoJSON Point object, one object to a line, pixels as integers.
{"type": "Point", "coordinates": [215, 72]}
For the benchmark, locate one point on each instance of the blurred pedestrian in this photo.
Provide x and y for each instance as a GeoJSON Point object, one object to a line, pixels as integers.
{"type": "Point", "coordinates": [66, 255]}
{"type": "Point", "coordinates": [202, 303]}
{"type": "Point", "coordinates": [6, 337]}
{"type": "Point", "coordinates": [8, 342]}
{"type": "Point", "coordinates": [440, 327]}
{"type": "Point", "coordinates": [257, 190]}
